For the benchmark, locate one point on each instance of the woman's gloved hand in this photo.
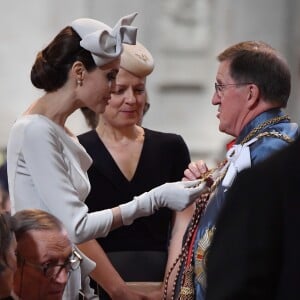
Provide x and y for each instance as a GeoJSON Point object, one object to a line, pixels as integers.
{"type": "Point", "coordinates": [176, 196]}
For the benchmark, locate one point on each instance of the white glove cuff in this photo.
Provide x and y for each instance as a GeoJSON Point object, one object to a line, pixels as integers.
{"type": "Point", "coordinates": [140, 206]}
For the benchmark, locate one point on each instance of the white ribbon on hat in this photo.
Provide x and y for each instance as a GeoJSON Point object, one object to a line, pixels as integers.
{"type": "Point", "coordinates": [238, 157]}
{"type": "Point", "coordinates": [105, 43]}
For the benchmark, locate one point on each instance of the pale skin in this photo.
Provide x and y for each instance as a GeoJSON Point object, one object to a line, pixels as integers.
{"type": "Point", "coordinates": [237, 106]}
{"type": "Point", "coordinates": [117, 125]}
{"type": "Point", "coordinates": [118, 131]}
{"type": "Point", "coordinates": [38, 248]}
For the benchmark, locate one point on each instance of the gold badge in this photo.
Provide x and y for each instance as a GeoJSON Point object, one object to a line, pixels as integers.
{"type": "Point", "coordinates": [200, 255]}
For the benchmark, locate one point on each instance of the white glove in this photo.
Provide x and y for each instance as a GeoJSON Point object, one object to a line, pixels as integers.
{"type": "Point", "coordinates": [175, 195]}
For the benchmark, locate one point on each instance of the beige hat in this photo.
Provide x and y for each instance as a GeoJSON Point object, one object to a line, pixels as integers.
{"type": "Point", "coordinates": [137, 60]}
{"type": "Point", "coordinates": [104, 42]}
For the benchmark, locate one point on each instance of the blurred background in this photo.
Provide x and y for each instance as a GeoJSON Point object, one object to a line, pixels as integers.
{"type": "Point", "coordinates": [184, 36]}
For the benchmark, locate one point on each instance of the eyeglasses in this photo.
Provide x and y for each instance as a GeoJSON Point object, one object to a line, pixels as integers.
{"type": "Point", "coordinates": [219, 87]}
{"type": "Point", "coordinates": [51, 270]}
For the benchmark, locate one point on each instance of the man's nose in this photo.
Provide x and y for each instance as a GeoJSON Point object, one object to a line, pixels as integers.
{"type": "Point", "coordinates": [215, 99]}
{"type": "Point", "coordinates": [62, 276]}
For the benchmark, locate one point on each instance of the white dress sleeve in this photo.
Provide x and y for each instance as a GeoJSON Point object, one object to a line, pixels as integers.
{"type": "Point", "coordinates": [43, 179]}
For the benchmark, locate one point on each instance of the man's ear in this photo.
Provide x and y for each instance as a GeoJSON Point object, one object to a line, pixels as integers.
{"type": "Point", "coordinates": [253, 96]}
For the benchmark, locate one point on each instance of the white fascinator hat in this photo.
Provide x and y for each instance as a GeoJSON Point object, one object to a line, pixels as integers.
{"type": "Point", "coordinates": [137, 60]}
{"type": "Point", "coordinates": [104, 42]}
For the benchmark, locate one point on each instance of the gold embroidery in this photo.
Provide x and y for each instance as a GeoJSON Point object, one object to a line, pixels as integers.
{"type": "Point", "coordinates": [200, 256]}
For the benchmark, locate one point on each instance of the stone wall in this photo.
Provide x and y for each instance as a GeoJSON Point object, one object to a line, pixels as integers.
{"type": "Point", "coordinates": [184, 37]}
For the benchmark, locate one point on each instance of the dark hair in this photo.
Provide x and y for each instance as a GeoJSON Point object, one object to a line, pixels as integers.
{"type": "Point", "coordinates": [90, 116]}
{"type": "Point", "coordinates": [52, 65]}
{"type": "Point", "coordinates": [6, 236]}
{"type": "Point", "coordinates": [259, 63]}
{"type": "Point", "coordinates": [3, 176]}
{"type": "Point", "coordinates": [35, 219]}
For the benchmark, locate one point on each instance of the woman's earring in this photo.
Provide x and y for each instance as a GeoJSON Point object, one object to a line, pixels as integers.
{"type": "Point", "coordinates": [79, 82]}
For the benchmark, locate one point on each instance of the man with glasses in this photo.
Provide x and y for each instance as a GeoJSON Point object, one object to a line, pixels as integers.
{"type": "Point", "coordinates": [252, 88]}
{"type": "Point", "coordinates": [45, 256]}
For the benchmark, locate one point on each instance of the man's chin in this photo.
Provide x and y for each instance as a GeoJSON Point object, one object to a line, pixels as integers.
{"type": "Point", "coordinates": [55, 295]}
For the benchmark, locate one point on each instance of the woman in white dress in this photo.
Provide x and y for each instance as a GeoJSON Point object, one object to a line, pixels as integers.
{"type": "Point", "coordinates": [46, 164]}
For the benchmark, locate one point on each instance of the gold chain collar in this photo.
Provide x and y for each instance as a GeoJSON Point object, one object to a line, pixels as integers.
{"type": "Point", "coordinates": [253, 133]}
{"type": "Point", "coordinates": [186, 285]}
{"type": "Point", "coordinates": [255, 130]}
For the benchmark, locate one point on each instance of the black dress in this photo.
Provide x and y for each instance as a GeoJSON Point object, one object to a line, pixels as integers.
{"type": "Point", "coordinates": [164, 158]}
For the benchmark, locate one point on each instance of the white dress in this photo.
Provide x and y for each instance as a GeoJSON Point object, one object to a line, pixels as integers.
{"type": "Point", "coordinates": [47, 169]}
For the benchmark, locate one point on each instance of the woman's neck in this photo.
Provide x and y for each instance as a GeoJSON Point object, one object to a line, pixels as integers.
{"type": "Point", "coordinates": [120, 135]}
{"type": "Point", "coordinates": [56, 106]}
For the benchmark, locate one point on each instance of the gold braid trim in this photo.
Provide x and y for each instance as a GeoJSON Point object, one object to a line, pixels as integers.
{"type": "Point", "coordinates": [255, 130]}
{"type": "Point", "coordinates": [187, 291]}
{"type": "Point", "coordinates": [276, 134]}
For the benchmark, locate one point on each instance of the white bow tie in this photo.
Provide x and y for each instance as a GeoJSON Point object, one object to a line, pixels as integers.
{"type": "Point", "coordinates": [238, 157]}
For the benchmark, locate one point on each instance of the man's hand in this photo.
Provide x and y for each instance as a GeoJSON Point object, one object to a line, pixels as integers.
{"type": "Point", "coordinates": [195, 170]}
